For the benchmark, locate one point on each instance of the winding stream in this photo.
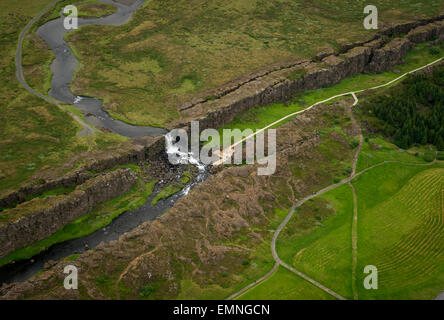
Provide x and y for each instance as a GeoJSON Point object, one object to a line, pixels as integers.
{"type": "Point", "coordinates": [65, 64]}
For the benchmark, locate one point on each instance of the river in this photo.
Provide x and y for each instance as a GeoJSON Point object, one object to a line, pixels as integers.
{"type": "Point", "coordinates": [63, 69]}
{"type": "Point", "coordinates": [65, 64]}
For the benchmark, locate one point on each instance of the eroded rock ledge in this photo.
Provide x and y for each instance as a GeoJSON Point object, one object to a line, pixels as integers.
{"type": "Point", "coordinates": [139, 150]}
{"type": "Point", "coordinates": [278, 82]}
{"type": "Point", "coordinates": [39, 218]}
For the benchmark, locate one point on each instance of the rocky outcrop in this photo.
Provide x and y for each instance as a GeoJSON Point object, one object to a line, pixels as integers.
{"type": "Point", "coordinates": [138, 150]}
{"type": "Point", "coordinates": [426, 33]}
{"type": "Point", "coordinates": [39, 218]}
{"type": "Point", "coordinates": [66, 181]}
{"type": "Point", "coordinates": [388, 56]}
{"type": "Point", "coordinates": [280, 82]}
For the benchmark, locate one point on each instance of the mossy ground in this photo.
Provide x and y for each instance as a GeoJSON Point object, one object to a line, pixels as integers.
{"type": "Point", "coordinates": [173, 187]}
{"type": "Point", "coordinates": [34, 135]}
{"type": "Point", "coordinates": [169, 52]}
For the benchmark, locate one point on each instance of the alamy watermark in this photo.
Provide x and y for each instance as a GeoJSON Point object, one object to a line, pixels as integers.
{"type": "Point", "coordinates": [71, 21]}
{"type": "Point", "coordinates": [181, 149]}
{"type": "Point", "coordinates": [371, 21]}
{"type": "Point", "coordinates": [371, 281]}
{"type": "Point", "coordinates": [71, 281]}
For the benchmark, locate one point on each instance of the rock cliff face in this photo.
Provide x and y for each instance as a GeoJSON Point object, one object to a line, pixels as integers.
{"type": "Point", "coordinates": [278, 83]}
{"type": "Point", "coordinates": [39, 218]}
{"type": "Point", "coordinates": [142, 149]}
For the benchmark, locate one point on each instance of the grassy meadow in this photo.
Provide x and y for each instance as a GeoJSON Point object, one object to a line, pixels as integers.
{"type": "Point", "coordinates": [172, 50]}
{"type": "Point", "coordinates": [317, 240]}
{"type": "Point", "coordinates": [376, 150]}
{"type": "Point", "coordinates": [284, 284]}
{"type": "Point", "coordinates": [34, 135]}
{"type": "Point", "coordinates": [400, 231]}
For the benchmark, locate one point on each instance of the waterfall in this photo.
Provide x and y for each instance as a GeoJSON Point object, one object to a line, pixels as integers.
{"type": "Point", "coordinates": [183, 157]}
{"type": "Point", "coordinates": [78, 99]}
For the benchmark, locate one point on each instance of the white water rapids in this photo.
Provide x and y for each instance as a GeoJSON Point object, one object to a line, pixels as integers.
{"type": "Point", "coordinates": [185, 158]}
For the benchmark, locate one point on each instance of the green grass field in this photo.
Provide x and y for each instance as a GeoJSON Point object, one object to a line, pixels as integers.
{"type": "Point", "coordinates": [377, 150]}
{"type": "Point", "coordinates": [400, 231]}
{"type": "Point", "coordinates": [317, 241]}
{"type": "Point", "coordinates": [285, 285]}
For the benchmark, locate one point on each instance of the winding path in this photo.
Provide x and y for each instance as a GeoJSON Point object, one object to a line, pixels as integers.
{"type": "Point", "coordinates": [226, 153]}
{"type": "Point", "coordinates": [348, 180]}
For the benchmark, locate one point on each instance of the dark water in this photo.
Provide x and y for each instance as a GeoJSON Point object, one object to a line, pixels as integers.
{"type": "Point", "coordinates": [65, 64]}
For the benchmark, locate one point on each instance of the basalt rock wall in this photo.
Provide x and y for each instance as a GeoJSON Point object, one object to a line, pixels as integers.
{"type": "Point", "coordinates": [39, 218]}
{"type": "Point", "coordinates": [142, 149]}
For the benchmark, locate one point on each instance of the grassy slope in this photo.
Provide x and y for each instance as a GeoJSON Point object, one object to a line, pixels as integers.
{"type": "Point", "coordinates": [400, 230]}
{"type": "Point", "coordinates": [401, 202]}
{"type": "Point", "coordinates": [284, 284]}
{"type": "Point", "coordinates": [377, 150]}
{"type": "Point", "coordinates": [31, 129]}
{"type": "Point", "coordinates": [335, 164]}
{"type": "Point", "coordinates": [318, 242]}
{"type": "Point", "coordinates": [37, 56]}
{"type": "Point", "coordinates": [167, 53]}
